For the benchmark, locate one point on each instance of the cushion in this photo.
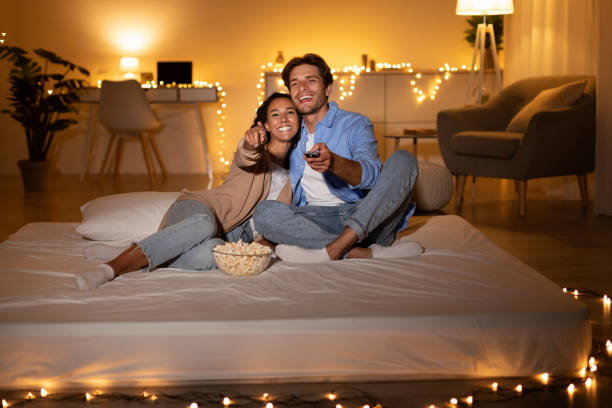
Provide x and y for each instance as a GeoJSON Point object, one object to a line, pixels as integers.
{"type": "Point", "coordinates": [433, 188]}
{"type": "Point", "coordinates": [498, 145]}
{"type": "Point", "coordinates": [554, 98]}
{"type": "Point", "coordinates": [128, 217]}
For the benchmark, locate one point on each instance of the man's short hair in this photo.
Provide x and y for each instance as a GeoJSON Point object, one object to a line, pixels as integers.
{"type": "Point", "coordinates": [309, 59]}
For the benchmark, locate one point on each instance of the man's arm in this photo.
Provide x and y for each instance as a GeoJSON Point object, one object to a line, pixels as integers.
{"type": "Point", "coordinates": [346, 169]}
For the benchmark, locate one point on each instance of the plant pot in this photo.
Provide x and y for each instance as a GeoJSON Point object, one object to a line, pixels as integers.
{"type": "Point", "coordinates": [35, 174]}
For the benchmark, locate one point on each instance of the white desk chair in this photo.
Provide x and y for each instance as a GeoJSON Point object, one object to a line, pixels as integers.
{"type": "Point", "coordinates": [125, 112]}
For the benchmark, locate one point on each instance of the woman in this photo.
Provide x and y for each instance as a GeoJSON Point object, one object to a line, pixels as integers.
{"type": "Point", "coordinates": [199, 221]}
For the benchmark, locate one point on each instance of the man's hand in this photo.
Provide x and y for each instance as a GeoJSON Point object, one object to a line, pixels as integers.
{"type": "Point", "coordinates": [324, 161]}
{"type": "Point", "coordinates": [255, 138]}
{"type": "Point", "coordinates": [347, 170]}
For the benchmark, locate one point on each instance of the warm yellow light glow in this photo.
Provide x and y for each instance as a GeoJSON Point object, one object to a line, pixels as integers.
{"type": "Point", "coordinates": [131, 41]}
{"type": "Point", "coordinates": [484, 7]}
{"type": "Point", "coordinates": [469, 400]}
{"type": "Point", "coordinates": [269, 405]}
{"type": "Point", "coordinates": [88, 396]}
{"type": "Point", "coordinates": [331, 396]}
{"type": "Point", "coordinates": [43, 392]}
{"type": "Point", "coordinates": [583, 372]}
{"type": "Point", "coordinates": [592, 361]}
{"type": "Point", "coordinates": [494, 386]}
{"type": "Point", "coordinates": [226, 401]}
{"type": "Point", "coordinates": [454, 401]}
{"type": "Point", "coordinates": [193, 405]}
{"type": "Point", "coordinates": [594, 368]}
{"type": "Point", "coordinates": [30, 396]}
{"type": "Point", "coordinates": [544, 378]}
{"type": "Point", "coordinates": [609, 346]}
{"type": "Point", "coordinates": [518, 388]}
{"type": "Point", "coordinates": [4, 404]}
{"type": "Point", "coordinates": [571, 388]}
{"type": "Point", "coordinates": [128, 64]}
{"type": "Point", "coordinates": [576, 293]}
{"type": "Point", "coordinates": [588, 382]}
{"type": "Point", "coordinates": [338, 405]}
{"type": "Point", "coordinates": [419, 76]}
{"type": "Point", "coordinates": [153, 397]}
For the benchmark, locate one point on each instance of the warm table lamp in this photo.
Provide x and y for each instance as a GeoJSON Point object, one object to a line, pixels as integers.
{"type": "Point", "coordinates": [483, 8]}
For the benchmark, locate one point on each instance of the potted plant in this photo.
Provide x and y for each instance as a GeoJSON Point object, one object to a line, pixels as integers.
{"type": "Point", "coordinates": [42, 96]}
{"type": "Point", "coordinates": [498, 31]}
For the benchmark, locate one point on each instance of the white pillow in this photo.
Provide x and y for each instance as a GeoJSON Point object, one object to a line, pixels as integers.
{"type": "Point", "coordinates": [128, 217]}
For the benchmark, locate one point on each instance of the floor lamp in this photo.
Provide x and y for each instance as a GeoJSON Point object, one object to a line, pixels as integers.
{"type": "Point", "coordinates": [483, 8]}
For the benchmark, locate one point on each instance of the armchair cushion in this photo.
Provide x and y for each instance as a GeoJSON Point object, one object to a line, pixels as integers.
{"type": "Point", "coordinates": [499, 145]}
{"type": "Point", "coordinates": [554, 98]}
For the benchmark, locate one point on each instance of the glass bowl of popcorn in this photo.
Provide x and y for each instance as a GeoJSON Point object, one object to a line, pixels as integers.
{"type": "Point", "coordinates": [242, 259]}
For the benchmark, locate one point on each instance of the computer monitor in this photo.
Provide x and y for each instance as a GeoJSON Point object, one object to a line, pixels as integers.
{"type": "Point", "coordinates": [178, 72]}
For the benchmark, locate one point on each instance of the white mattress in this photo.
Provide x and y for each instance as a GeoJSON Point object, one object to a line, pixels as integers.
{"type": "Point", "coordinates": [463, 309]}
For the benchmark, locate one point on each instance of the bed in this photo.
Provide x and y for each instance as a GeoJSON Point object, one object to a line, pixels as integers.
{"type": "Point", "coordinates": [465, 308]}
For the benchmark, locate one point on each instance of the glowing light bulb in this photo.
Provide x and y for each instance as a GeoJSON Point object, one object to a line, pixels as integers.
{"type": "Point", "coordinates": [592, 361]}
{"type": "Point", "coordinates": [419, 76]}
{"type": "Point", "coordinates": [153, 397]}
{"type": "Point", "coordinates": [226, 401]}
{"type": "Point", "coordinates": [43, 392]}
{"type": "Point", "coordinates": [544, 378]}
{"type": "Point", "coordinates": [494, 386]}
{"type": "Point", "coordinates": [609, 346]}
{"type": "Point", "coordinates": [588, 382]}
{"type": "Point", "coordinates": [518, 388]}
{"type": "Point", "coordinates": [88, 396]}
{"type": "Point", "coordinates": [576, 293]}
{"type": "Point", "coordinates": [4, 404]}
{"type": "Point", "coordinates": [193, 405]}
{"type": "Point", "coordinates": [331, 396]}
{"type": "Point", "coordinates": [269, 405]}
{"type": "Point", "coordinates": [30, 396]}
{"type": "Point", "coordinates": [583, 372]}
{"type": "Point", "coordinates": [564, 290]}
{"type": "Point", "coordinates": [338, 405]}
{"type": "Point", "coordinates": [469, 400]}
{"type": "Point", "coordinates": [265, 396]}
{"type": "Point", "coordinates": [454, 401]}
{"type": "Point", "coordinates": [594, 368]}
{"type": "Point", "coordinates": [571, 388]}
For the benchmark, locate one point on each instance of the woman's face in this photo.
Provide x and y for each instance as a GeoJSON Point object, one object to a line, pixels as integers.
{"type": "Point", "coordinates": [282, 120]}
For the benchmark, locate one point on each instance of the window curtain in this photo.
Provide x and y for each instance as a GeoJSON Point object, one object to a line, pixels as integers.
{"type": "Point", "coordinates": [557, 37]}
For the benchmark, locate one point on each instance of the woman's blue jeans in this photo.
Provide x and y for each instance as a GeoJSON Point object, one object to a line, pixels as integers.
{"type": "Point", "coordinates": [189, 234]}
{"type": "Point", "coordinates": [376, 218]}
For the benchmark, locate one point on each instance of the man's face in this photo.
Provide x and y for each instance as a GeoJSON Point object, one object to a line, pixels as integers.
{"type": "Point", "coordinates": [307, 89]}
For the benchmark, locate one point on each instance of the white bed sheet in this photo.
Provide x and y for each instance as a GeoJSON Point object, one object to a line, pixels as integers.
{"type": "Point", "coordinates": [463, 309]}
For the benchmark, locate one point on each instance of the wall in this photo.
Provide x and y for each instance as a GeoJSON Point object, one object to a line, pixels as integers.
{"type": "Point", "coordinates": [603, 164]}
{"type": "Point", "coordinates": [227, 42]}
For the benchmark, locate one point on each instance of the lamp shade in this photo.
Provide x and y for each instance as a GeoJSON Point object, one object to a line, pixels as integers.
{"type": "Point", "coordinates": [484, 7]}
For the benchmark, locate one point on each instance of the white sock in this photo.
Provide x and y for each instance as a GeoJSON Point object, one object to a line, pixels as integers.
{"type": "Point", "coordinates": [102, 252]}
{"type": "Point", "coordinates": [95, 277]}
{"type": "Point", "coordinates": [400, 249]}
{"type": "Point", "coordinates": [296, 254]}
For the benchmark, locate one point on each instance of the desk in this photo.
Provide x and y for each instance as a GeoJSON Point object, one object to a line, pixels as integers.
{"type": "Point", "coordinates": [415, 135]}
{"type": "Point", "coordinates": [184, 96]}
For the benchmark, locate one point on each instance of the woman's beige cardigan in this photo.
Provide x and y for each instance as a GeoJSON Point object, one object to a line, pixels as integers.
{"type": "Point", "coordinates": [246, 185]}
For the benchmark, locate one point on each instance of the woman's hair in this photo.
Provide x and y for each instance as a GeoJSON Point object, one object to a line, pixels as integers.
{"type": "Point", "coordinates": [262, 115]}
{"type": "Point", "coordinates": [309, 59]}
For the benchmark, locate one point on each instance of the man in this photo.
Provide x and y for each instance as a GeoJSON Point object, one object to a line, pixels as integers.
{"type": "Point", "coordinates": [342, 204]}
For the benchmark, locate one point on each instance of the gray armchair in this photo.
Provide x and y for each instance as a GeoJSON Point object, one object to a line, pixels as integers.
{"type": "Point", "coordinates": [558, 142]}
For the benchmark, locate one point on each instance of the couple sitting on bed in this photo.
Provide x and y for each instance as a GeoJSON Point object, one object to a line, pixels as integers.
{"type": "Point", "coordinates": [303, 151]}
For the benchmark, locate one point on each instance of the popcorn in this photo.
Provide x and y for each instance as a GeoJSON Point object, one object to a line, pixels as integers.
{"type": "Point", "coordinates": [242, 259]}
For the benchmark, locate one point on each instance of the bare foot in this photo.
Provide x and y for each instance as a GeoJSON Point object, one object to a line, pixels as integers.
{"type": "Point", "coordinates": [358, 252]}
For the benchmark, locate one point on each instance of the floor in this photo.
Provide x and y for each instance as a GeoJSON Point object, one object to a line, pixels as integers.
{"type": "Point", "coordinates": [567, 244]}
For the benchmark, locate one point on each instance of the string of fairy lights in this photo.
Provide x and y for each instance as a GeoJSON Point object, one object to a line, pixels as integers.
{"type": "Point", "coordinates": [348, 76]}
{"type": "Point", "coordinates": [501, 390]}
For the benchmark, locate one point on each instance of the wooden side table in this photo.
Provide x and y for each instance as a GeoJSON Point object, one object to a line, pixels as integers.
{"type": "Point", "coordinates": [415, 135]}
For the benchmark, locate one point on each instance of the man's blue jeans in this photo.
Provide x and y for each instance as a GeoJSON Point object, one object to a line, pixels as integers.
{"type": "Point", "coordinates": [375, 219]}
{"type": "Point", "coordinates": [189, 234]}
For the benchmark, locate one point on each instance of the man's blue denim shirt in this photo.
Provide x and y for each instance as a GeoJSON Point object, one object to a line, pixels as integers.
{"type": "Point", "coordinates": [349, 135]}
